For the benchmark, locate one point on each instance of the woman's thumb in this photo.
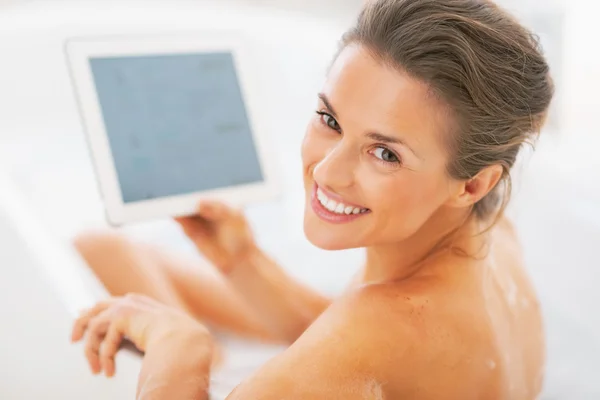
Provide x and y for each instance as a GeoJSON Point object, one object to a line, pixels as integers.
{"type": "Point", "coordinates": [213, 210]}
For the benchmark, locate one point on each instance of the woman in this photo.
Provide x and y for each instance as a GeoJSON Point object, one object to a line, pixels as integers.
{"type": "Point", "coordinates": [408, 155]}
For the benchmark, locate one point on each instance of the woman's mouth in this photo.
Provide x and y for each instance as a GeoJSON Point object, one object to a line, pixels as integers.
{"type": "Point", "coordinates": [332, 209]}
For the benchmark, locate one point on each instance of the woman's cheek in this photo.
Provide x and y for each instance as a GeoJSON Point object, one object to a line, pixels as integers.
{"type": "Point", "coordinates": [419, 196]}
{"type": "Point", "coordinates": [379, 190]}
{"type": "Point", "coordinates": [395, 193]}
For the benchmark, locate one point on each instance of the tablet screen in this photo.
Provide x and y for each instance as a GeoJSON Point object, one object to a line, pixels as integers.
{"type": "Point", "coordinates": [176, 124]}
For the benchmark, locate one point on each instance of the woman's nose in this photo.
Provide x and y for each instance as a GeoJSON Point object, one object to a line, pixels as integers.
{"type": "Point", "coordinates": [336, 169]}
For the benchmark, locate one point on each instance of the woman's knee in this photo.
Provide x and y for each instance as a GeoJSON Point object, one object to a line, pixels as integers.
{"type": "Point", "coordinates": [124, 266]}
{"type": "Point", "coordinates": [96, 245]}
{"type": "Point", "coordinates": [110, 255]}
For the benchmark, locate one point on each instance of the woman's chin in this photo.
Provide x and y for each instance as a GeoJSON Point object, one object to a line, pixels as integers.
{"type": "Point", "coordinates": [325, 239]}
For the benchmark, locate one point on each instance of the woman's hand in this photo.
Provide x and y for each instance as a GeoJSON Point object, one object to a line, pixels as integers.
{"type": "Point", "coordinates": [143, 321]}
{"type": "Point", "coordinates": [220, 233]}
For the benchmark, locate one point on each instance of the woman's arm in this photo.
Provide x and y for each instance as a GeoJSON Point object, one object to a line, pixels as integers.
{"type": "Point", "coordinates": [287, 306]}
{"type": "Point", "coordinates": [176, 370]}
{"type": "Point", "coordinates": [341, 356]}
{"type": "Point", "coordinates": [284, 306]}
{"type": "Point", "coordinates": [346, 355]}
{"type": "Point", "coordinates": [178, 350]}
{"type": "Point", "coordinates": [351, 352]}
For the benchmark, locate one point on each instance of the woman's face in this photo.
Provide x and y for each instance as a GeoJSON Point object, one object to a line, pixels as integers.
{"type": "Point", "coordinates": [373, 158]}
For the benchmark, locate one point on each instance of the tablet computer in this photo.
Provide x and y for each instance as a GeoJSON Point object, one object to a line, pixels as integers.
{"type": "Point", "coordinates": [170, 120]}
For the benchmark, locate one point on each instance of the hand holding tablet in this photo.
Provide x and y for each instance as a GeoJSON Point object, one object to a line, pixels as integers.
{"type": "Point", "coordinates": [221, 234]}
{"type": "Point", "coordinates": [171, 121]}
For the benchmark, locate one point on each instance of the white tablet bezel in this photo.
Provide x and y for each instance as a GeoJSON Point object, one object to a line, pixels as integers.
{"type": "Point", "coordinates": [78, 53]}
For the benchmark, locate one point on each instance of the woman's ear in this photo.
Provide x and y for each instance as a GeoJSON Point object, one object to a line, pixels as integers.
{"type": "Point", "coordinates": [471, 191]}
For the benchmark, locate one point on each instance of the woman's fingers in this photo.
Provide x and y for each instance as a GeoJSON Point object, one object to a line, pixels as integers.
{"type": "Point", "coordinates": [81, 324]}
{"type": "Point", "coordinates": [214, 210]}
{"type": "Point", "coordinates": [103, 337]}
{"type": "Point", "coordinates": [140, 319]}
{"type": "Point", "coordinates": [97, 328]}
{"type": "Point", "coordinates": [105, 334]}
{"type": "Point", "coordinates": [208, 211]}
{"type": "Point", "coordinates": [110, 347]}
{"type": "Point", "coordinates": [195, 227]}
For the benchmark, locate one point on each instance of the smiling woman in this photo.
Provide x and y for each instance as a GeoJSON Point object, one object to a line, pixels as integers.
{"type": "Point", "coordinates": [420, 120]}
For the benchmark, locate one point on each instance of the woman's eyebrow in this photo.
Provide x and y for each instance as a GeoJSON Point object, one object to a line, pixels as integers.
{"type": "Point", "coordinates": [325, 101]}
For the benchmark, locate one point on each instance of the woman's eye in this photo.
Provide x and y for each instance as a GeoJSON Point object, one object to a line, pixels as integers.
{"type": "Point", "coordinates": [385, 155]}
{"type": "Point", "coordinates": [328, 120]}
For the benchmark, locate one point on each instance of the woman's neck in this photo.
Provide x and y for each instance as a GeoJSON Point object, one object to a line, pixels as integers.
{"type": "Point", "coordinates": [441, 233]}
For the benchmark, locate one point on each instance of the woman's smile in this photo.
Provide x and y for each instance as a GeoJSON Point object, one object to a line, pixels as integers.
{"type": "Point", "coordinates": [332, 208]}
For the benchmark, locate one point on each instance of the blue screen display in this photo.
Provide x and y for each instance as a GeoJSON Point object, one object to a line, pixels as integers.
{"type": "Point", "coordinates": [176, 124]}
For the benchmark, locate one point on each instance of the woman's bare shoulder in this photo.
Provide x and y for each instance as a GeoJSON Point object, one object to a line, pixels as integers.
{"type": "Point", "coordinates": [362, 346]}
{"type": "Point", "coordinates": [411, 331]}
{"type": "Point", "coordinates": [428, 323]}
{"type": "Point", "coordinates": [419, 308]}
{"type": "Point", "coordinates": [375, 341]}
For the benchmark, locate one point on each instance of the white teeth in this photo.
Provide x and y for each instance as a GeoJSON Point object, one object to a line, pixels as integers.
{"type": "Point", "coordinates": [334, 206]}
{"type": "Point", "coordinates": [331, 205]}
{"type": "Point", "coordinates": [320, 195]}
